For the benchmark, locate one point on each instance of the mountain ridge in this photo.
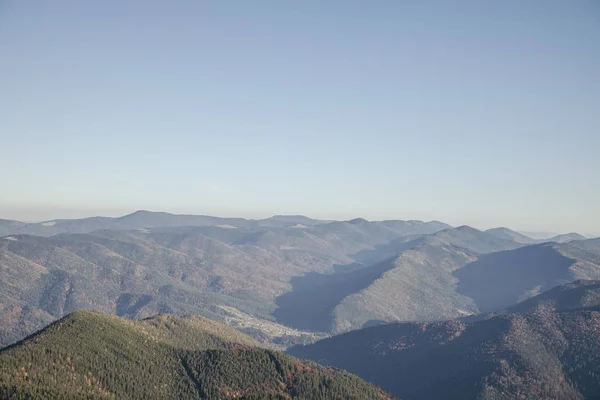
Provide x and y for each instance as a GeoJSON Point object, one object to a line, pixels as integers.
{"type": "Point", "coordinates": [537, 355]}
{"type": "Point", "coordinates": [88, 354]}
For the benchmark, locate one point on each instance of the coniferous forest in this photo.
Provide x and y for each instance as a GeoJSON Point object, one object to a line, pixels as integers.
{"type": "Point", "coordinates": [93, 355]}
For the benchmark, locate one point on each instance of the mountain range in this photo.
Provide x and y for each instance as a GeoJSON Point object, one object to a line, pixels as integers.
{"type": "Point", "coordinates": [90, 355]}
{"type": "Point", "coordinates": [518, 237]}
{"type": "Point", "coordinates": [283, 280]}
{"type": "Point", "coordinates": [144, 219]}
{"type": "Point", "coordinates": [483, 314]}
{"type": "Point", "coordinates": [550, 352]}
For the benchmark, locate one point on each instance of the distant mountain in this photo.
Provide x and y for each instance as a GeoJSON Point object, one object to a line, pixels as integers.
{"type": "Point", "coordinates": [505, 233]}
{"type": "Point", "coordinates": [556, 237]}
{"type": "Point", "coordinates": [190, 269]}
{"type": "Point", "coordinates": [448, 274]}
{"type": "Point", "coordinates": [290, 220]}
{"type": "Point", "coordinates": [143, 219]}
{"type": "Point", "coordinates": [508, 234]}
{"type": "Point", "coordinates": [416, 282]}
{"type": "Point", "coordinates": [472, 240]}
{"type": "Point", "coordinates": [499, 280]}
{"type": "Point", "coordinates": [547, 355]}
{"type": "Point", "coordinates": [290, 281]}
{"type": "Point", "coordinates": [541, 236]}
{"type": "Point", "coordinates": [566, 238]}
{"type": "Point", "coordinates": [92, 355]}
{"type": "Point", "coordinates": [469, 239]}
{"type": "Point", "coordinates": [571, 296]}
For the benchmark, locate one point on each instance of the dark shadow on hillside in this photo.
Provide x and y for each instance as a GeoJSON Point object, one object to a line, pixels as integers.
{"type": "Point", "coordinates": [576, 295]}
{"type": "Point", "coordinates": [499, 280]}
{"type": "Point", "coordinates": [314, 296]}
{"type": "Point", "coordinates": [436, 361]}
{"type": "Point", "coordinates": [129, 304]}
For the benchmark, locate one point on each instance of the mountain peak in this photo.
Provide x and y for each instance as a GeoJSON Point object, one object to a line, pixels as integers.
{"type": "Point", "coordinates": [93, 355]}
{"type": "Point", "coordinates": [467, 228]}
{"type": "Point", "coordinates": [509, 234]}
{"type": "Point", "coordinates": [358, 221]}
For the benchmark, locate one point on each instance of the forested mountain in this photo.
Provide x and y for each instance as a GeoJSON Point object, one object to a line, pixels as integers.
{"type": "Point", "coordinates": [415, 283]}
{"type": "Point", "coordinates": [329, 277]}
{"type": "Point", "coordinates": [92, 355]}
{"type": "Point", "coordinates": [448, 274]}
{"type": "Point", "coordinates": [289, 280]}
{"type": "Point", "coordinates": [571, 296]}
{"type": "Point", "coordinates": [508, 234]}
{"type": "Point", "coordinates": [542, 355]}
{"type": "Point", "coordinates": [143, 219]}
{"type": "Point", "coordinates": [499, 280]}
{"type": "Point", "coordinates": [284, 280]}
{"type": "Point", "coordinates": [141, 272]}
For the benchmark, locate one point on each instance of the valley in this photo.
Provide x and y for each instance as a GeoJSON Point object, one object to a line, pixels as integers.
{"type": "Point", "coordinates": [404, 295]}
{"type": "Point", "coordinates": [282, 284]}
{"type": "Point", "coordinates": [550, 352]}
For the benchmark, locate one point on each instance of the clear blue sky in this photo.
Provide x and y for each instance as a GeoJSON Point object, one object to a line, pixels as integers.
{"type": "Point", "coordinates": [472, 112]}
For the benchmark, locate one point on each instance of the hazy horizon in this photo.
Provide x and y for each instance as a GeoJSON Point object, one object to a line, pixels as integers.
{"type": "Point", "coordinates": [79, 214]}
{"type": "Point", "coordinates": [477, 113]}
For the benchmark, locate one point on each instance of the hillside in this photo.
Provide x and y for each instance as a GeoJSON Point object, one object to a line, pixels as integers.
{"type": "Point", "coordinates": [416, 285]}
{"type": "Point", "coordinates": [544, 355]}
{"type": "Point", "coordinates": [499, 280]}
{"type": "Point", "coordinates": [472, 240]}
{"type": "Point", "coordinates": [93, 355]}
{"type": "Point", "coordinates": [416, 282]}
{"type": "Point", "coordinates": [508, 234]}
{"type": "Point", "coordinates": [141, 272]}
{"type": "Point", "coordinates": [567, 237]}
{"type": "Point", "coordinates": [291, 281]}
{"type": "Point", "coordinates": [571, 296]}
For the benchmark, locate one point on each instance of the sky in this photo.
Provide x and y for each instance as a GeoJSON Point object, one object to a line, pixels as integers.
{"type": "Point", "coordinates": [484, 113]}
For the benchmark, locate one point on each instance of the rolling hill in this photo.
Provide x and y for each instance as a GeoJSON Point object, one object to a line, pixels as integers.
{"type": "Point", "coordinates": [542, 355]}
{"type": "Point", "coordinates": [143, 219]}
{"type": "Point", "coordinates": [284, 280]}
{"type": "Point", "coordinates": [93, 355]}
{"type": "Point", "coordinates": [508, 234]}
{"type": "Point", "coordinates": [520, 237]}
{"type": "Point", "coordinates": [415, 283]}
{"type": "Point", "coordinates": [499, 280]}
{"type": "Point", "coordinates": [571, 296]}
{"type": "Point", "coordinates": [140, 272]}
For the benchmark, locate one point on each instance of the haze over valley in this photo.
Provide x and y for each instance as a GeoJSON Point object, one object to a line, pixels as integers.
{"type": "Point", "coordinates": [307, 277]}
{"type": "Point", "coordinates": [300, 200]}
{"type": "Point", "coordinates": [291, 280]}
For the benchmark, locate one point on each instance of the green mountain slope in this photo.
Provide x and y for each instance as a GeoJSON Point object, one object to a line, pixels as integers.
{"type": "Point", "coordinates": [93, 355]}
{"type": "Point", "coordinates": [544, 355]}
